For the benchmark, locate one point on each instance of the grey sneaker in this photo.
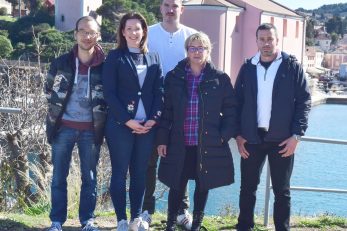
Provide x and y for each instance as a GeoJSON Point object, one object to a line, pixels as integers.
{"type": "Point", "coordinates": [146, 217]}
{"type": "Point", "coordinates": [55, 226]}
{"type": "Point", "coordinates": [89, 227]}
{"type": "Point", "coordinates": [122, 225]}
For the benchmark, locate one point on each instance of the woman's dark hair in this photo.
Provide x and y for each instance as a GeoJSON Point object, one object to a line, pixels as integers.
{"type": "Point", "coordinates": [121, 41]}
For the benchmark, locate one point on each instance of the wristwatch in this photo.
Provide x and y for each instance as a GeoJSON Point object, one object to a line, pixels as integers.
{"type": "Point", "coordinates": [297, 137]}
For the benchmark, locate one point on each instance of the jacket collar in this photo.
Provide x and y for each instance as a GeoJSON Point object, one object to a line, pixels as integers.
{"type": "Point", "coordinates": [179, 70]}
{"type": "Point", "coordinates": [256, 59]}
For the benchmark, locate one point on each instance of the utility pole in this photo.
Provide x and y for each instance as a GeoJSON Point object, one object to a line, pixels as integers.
{"type": "Point", "coordinates": [19, 8]}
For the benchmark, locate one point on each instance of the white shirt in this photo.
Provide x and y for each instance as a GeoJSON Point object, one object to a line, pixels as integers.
{"type": "Point", "coordinates": [265, 79]}
{"type": "Point", "coordinates": [169, 46]}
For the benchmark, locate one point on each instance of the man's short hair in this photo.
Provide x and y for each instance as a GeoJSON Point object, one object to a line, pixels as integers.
{"type": "Point", "coordinates": [266, 26]}
{"type": "Point", "coordinates": [86, 18]}
{"type": "Point", "coordinates": [161, 1]}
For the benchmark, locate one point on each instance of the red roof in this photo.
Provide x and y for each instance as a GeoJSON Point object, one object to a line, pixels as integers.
{"type": "Point", "coordinates": [50, 2]}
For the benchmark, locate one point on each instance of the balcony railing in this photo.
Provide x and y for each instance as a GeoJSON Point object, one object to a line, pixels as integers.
{"type": "Point", "coordinates": [268, 185]}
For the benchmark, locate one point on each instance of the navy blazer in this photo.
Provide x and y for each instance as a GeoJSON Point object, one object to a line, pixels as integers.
{"type": "Point", "coordinates": [122, 89]}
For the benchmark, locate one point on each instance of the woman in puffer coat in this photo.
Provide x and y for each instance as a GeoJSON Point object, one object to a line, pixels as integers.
{"type": "Point", "coordinates": [198, 120]}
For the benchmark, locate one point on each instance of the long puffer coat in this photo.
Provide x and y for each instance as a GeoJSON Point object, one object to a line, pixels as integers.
{"type": "Point", "coordinates": [217, 118]}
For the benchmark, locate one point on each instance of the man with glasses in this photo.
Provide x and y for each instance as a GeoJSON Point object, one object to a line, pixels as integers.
{"type": "Point", "coordinates": [76, 115]}
{"type": "Point", "coordinates": [167, 39]}
{"type": "Point", "coordinates": [274, 102]}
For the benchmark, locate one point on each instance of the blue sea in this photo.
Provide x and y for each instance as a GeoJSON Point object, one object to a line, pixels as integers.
{"type": "Point", "coordinates": [316, 165]}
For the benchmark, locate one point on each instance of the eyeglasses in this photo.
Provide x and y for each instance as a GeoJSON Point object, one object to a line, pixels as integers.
{"type": "Point", "coordinates": [86, 33]}
{"type": "Point", "coordinates": [196, 49]}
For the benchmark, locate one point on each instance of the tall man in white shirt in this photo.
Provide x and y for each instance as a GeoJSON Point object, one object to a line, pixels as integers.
{"type": "Point", "coordinates": [274, 102]}
{"type": "Point", "coordinates": [167, 38]}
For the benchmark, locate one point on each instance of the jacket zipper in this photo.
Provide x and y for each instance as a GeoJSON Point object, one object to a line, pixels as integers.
{"type": "Point", "coordinates": [202, 126]}
{"type": "Point", "coordinates": [265, 74]}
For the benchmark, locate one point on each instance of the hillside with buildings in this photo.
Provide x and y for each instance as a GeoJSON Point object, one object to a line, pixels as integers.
{"type": "Point", "coordinates": [326, 45]}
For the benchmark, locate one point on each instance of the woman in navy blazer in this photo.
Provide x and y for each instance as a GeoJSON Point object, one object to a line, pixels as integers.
{"type": "Point", "coordinates": [132, 79]}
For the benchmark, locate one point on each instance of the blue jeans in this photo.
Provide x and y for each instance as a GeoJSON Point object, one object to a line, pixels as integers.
{"type": "Point", "coordinates": [128, 151]}
{"type": "Point", "coordinates": [62, 147]}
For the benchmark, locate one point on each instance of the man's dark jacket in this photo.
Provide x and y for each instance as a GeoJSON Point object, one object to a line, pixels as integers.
{"type": "Point", "coordinates": [291, 101]}
{"type": "Point", "coordinates": [58, 89]}
{"type": "Point", "coordinates": [217, 118]}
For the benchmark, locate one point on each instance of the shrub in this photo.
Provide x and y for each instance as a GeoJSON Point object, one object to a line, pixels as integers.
{"type": "Point", "coordinates": [5, 47]}
{"type": "Point", "coordinates": [4, 33]}
{"type": "Point", "coordinates": [3, 11]}
{"type": "Point", "coordinates": [21, 30]}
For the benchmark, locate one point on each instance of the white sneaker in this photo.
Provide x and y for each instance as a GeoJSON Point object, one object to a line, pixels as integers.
{"type": "Point", "coordinates": [138, 225]}
{"type": "Point", "coordinates": [146, 217]}
{"type": "Point", "coordinates": [55, 226]}
{"type": "Point", "coordinates": [144, 226]}
{"type": "Point", "coordinates": [134, 225]}
{"type": "Point", "coordinates": [122, 225]}
{"type": "Point", "coordinates": [185, 220]}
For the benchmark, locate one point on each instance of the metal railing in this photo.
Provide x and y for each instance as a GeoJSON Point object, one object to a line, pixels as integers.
{"type": "Point", "coordinates": [268, 185]}
{"type": "Point", "coordinates": [10, 110]}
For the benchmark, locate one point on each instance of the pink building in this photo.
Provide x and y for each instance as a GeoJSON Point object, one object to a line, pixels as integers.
{"type": "Point", "coordinates": [231, 26]}
{"type": "Point", "coordinates": [67, 12]}
{"type": "Point", "coordinates": [335, 59]}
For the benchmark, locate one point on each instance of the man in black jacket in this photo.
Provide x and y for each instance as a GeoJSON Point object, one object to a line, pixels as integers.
{"type": "Point", "coordinates": [274, 102]}
{"type": "Point", "coordinates": [76, 115]}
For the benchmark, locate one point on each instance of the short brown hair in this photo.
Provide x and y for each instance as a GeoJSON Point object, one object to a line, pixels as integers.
{"type": "Point", "coordinates": [86, 18]}
{"type": "Point", "coordinates": [122, 43]}
{"type": "Point", "coordinates": [266, 26]}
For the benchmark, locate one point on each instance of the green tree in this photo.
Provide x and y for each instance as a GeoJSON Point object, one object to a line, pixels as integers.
{"type": "Point", "coordinates": [310, 29]}
{"type": "Point", "coordinates": [5, 47]}
{"type": "Point", "coordinates": [21, 30]}
{"type": "Point", "coordinates": [33, 5]}
{"type": "Point", "coordinates": [54, 43]}
{"type": "Point", "coordinates": [334, 25]}
{"type": "Point", "coordinates": [113, 10]}
{"type": "Point", "coordinates": [334, 38]}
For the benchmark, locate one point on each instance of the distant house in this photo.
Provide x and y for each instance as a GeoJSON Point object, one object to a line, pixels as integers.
{"type": "Point", "coordinates": [231, 26]}
{"type": "Point", "coordinates": [23, 9]}
{"type": "Point", "coordinates": [323, 41]}
{"type": "Point", "coordinates": [49, 4]}
{"type": "Point", "coordinates": [314, 60]}
{"type": "Point", "coordinates": [333, 60]}
{"type": "Point", "coordinates": [68, 11]}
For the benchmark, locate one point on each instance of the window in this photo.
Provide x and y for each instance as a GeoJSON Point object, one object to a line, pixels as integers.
{"type": "Point", "coordinates": [272, 20]}
{"type": "Point", "coordinates": [62, 18]}
{"type": "Point", "coordinates": [87, 8]}
{"type": "Point", "coordinates": [284, 27]}
{"type": "Point", "coordinates": [297, 29]}
{"type": "Point", "coordinates": [237, 23]}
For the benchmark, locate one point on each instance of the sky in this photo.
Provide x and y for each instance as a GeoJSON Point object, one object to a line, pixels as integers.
{"type": "Point", "coordinates": [307, 4]}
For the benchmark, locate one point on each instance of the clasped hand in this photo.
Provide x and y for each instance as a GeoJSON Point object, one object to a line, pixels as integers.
{"type": "Point", "coordinates": [138, 127]}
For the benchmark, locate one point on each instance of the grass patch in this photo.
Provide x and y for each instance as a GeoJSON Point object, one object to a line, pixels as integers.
{"type": "Point", "coordinates": [107, 221]}
{"type": "Point", "coordinates": [7, 18]}
{"type": "Point", "coordinates": [322, 222]}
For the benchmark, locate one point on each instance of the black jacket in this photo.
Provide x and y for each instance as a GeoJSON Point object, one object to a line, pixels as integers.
{"type": "Point", "coordinates": [217, 118]}
{"type": "Point", "coordinates": [122, 88]}
{"type": "Point", "coordinates": [291, 101]}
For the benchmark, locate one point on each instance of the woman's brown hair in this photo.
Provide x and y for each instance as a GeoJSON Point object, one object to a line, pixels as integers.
{"type": "Point", "coordinates": [121, 41]}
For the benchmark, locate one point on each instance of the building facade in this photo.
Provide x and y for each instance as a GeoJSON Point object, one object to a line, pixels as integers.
{"type": "Point", "coordinates": [231, 26]}
{"type": "Point", "coordinates": [67, 12]}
